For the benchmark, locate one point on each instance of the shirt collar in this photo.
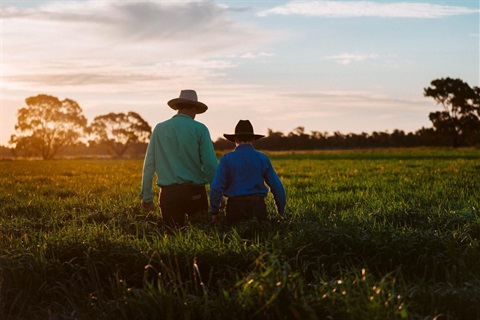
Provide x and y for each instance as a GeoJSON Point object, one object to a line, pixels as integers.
{"type": "Point", "coordinates": [244, 146]}
{"type": "Point", "coordinates": [182, 115]}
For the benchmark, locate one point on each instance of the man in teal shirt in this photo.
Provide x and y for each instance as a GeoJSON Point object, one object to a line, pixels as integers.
{"type": "Point", "coordinates": [181, 153]}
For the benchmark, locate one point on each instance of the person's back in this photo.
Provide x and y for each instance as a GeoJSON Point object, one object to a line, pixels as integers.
{"type": "Point", "coordinates": [247, 169]}
{"type": "Point", "coordinates": [181, 153]}
{"type": "Point", "coordinates": [241, 176]}
{"type": "Point", "coordinates": [178, 141]}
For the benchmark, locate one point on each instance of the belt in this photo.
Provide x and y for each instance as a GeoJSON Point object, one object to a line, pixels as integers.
{"type": "Point", "coordinates": [183, 186]}
{"type": "Point", "coordinates": [250, 197]}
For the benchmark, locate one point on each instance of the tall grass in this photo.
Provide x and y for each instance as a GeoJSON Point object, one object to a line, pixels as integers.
{"type": "Point", "coordinates": [367, 235]}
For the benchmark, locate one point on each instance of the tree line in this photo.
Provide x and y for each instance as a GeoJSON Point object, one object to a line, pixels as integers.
{"type": "Point", "coordinates": [47, 126]}
{"type": "Point", "coordinates": [456, 125]}
{"type": "Point", "coordinates": [299, 140]}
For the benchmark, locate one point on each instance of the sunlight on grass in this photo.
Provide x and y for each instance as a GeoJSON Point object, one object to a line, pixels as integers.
{"type": "Point", "coordinates": [381, 235]}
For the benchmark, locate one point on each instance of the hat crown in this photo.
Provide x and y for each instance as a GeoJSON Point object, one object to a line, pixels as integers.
{"type": "Point", "coordinates": [244, 127]}
{"type": "Point", "coordinates": [189, 95]}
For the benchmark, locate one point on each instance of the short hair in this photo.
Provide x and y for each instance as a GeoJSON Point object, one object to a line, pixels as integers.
{"type": "Point", "coordinates": [181, 106]}
{"type": "Point", "coordinates": [248, 138]}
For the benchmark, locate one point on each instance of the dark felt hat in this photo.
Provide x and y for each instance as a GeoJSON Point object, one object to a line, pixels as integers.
{"type": "Point", "coordinates": [243, 128]}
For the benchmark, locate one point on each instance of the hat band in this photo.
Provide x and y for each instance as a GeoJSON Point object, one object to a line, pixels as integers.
{"type": "Point", "coordinates": [244, 133]}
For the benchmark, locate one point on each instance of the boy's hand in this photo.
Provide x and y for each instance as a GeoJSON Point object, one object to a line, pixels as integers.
{"type": "Point", "coordinates": [215, 218]}
{"type": "Point", "coordinates": [222, 204]}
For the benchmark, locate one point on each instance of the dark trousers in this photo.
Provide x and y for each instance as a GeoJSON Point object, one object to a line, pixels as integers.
{"type": "Point", "coordinates": [239, 209]}
{"type": "Point", "coordinates": [176, 201]}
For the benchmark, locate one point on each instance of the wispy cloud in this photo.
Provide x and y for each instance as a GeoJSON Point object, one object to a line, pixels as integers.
{"type": "Point", "coordinates": [348, 9]}
{"type": "Point", "coordinates": [360, 97]}
{"type": "Point", "coordinates": [348, 58]}
{"type": "Point", "coordinates": [134, 41]}
{"type": "Point", "coordinates": [254, 55]}
{"type": "Point", "coordinates": [139, 20]}
{"type": "Point", "coordinates": [82, 76]}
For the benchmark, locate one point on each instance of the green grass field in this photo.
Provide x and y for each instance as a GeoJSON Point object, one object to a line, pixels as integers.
{"type": "Point", "coordinates": [386, 234]}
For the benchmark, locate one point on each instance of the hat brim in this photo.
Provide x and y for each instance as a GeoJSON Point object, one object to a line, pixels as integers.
{"type": "Point", "coordinates": [199, 106]}
{"type": "Point", "coordinates": [231, 137]}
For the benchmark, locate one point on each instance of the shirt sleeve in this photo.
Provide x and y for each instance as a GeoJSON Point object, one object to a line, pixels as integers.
{"type": "Point", "coordinates": [276, 187]}
{"type": "Point", "coordinates": [148, 171]}
{"type": "Point", "coordinates": [208, 157]}
{"type": "Point", "coordinates": [218, 185]}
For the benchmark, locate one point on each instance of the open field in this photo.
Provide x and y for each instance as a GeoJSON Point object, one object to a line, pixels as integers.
{"type": "Point", "coordinates": [386, 234]}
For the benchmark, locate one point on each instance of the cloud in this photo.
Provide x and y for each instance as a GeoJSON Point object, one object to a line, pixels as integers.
{"type": "Point", "coordinates": [84, 77]}
{"type": "Point", "coordinates": [78, 79]}
{"type": "Point", "coordinates": [348, 99]}
{"type": "Point", "coordinates": [349, 9]}
{"type": "Point", "coordinates": [348, 58]}
{"type": "Point", "coordinates": [252, 55]}
{"type": "Point", "coordinates": [99, 41]}
{"type": "Point", "coordinates": [140, 20]}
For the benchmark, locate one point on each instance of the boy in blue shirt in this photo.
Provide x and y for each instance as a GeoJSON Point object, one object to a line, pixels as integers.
{"type": "Point", "coordinates": [241, 176]}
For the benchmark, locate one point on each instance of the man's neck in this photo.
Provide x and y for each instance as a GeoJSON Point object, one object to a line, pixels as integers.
{"type": "Point", "coordinates": [242, 143]}
{"type": "Point", "coordinates": [188, 112]}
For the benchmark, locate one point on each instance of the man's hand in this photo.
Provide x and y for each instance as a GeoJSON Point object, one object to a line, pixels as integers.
{"type": "Point", "coordinates": [147, 206]}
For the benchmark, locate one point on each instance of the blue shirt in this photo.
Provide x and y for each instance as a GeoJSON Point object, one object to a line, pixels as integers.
{"type": "Point", "coordinates": [243, 172]}
{"type": "Point", "coordinates": [180, 151]}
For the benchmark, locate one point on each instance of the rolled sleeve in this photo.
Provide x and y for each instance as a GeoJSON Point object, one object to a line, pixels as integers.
{"type": "Point", "coordinates": [148, 172]}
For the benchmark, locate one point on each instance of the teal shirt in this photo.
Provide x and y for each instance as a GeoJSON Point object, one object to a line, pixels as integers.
{"type": "Point", "coordinates": [180, 151]}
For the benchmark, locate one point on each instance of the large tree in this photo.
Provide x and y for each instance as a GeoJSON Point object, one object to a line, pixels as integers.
{"type": "Point", "coordinates": [47, 125]}
{"type": "Point", "coordinates": [119, 131]}
{"type": "Point", "coordinates": [460, 117]}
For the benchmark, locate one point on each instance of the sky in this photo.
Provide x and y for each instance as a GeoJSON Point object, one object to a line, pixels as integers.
{"type": "Point", "coordinates": [327, 66]}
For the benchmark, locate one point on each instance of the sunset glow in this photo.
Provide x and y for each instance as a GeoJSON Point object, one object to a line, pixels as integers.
{"type": "Point", "coordinates": [348, 66]}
